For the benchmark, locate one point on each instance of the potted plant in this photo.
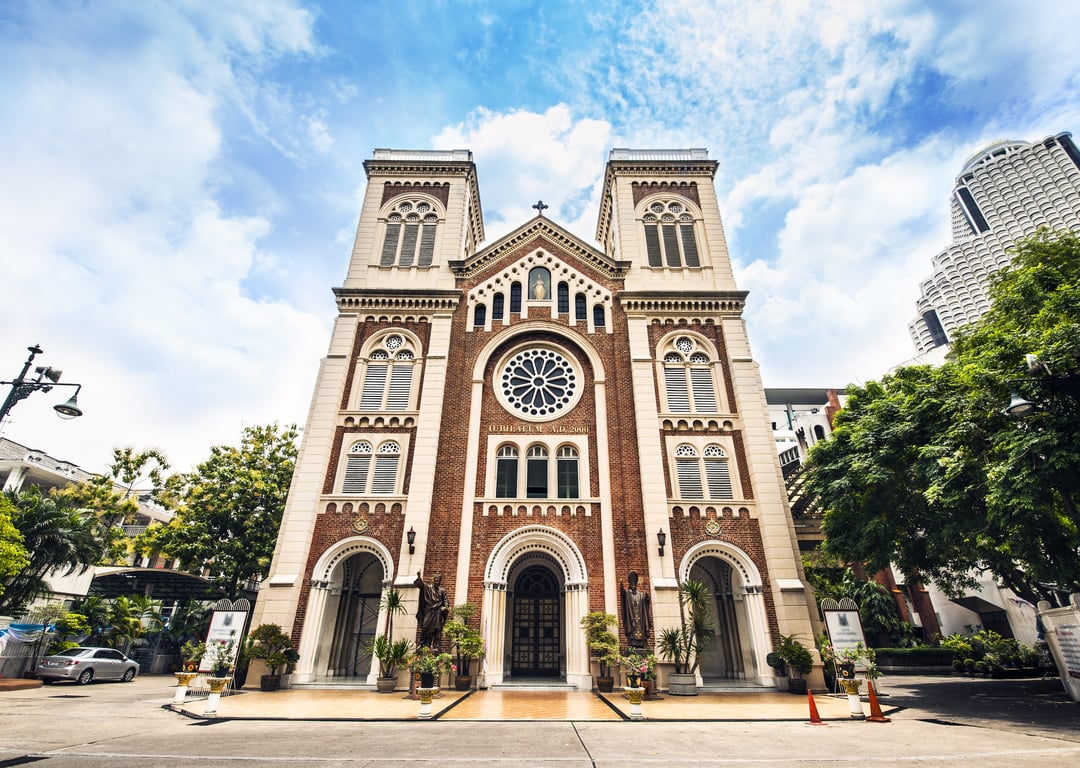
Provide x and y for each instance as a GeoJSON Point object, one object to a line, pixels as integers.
{"type": "Point", "coordinates": [468, 644]}
{"type": "Point", "coordinates": [391, 655]}
{"type": "Point", "coordinates": [191, 653]}
{"type": "Point", "coordinates": [603, 644]}
{"type": "Point", "coordinates": [269, 643]}
{"type": "Point", "coordinates": [798, 660]}
{"type": "Point", "coordinates": [430, 664]}
{"type": "Point", "coordinates": [222, 656]}
{"type": "Point", "coordinates": [638, 668]}
{"type": "Point", "coordinates": [682, 645]}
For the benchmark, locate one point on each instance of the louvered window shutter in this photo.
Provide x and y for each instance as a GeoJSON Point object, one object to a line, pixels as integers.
{"type": "Point", "coordinates": [689, 245]}
{"type": "Point", "coordinates": [689, 479]}
{"type": "Point", "coordinates": [671, 245]}
{"type": "Point", "coordinates": [677, 396]}
{"type": "Point", "coordinates": [374, 388]}
{"type": "Point", "coordinates": [389, 250]}
{"type": "Point", "coordinates": [652, 246]}
{"type": "Point", "coordinates": [704, 392]}
{"type": "Point", "coordinates": [400, 388]}
{"type": "Point", "coordinates": [719, 478]}
{"type": "Point", "coordinates": [408, 244]}
{"type": "Point", "coordinates": [356, 472]}
{"type": "Point", "coordinates": [385, 474]}
{"type": "Point", "coordinates": [427, 245]}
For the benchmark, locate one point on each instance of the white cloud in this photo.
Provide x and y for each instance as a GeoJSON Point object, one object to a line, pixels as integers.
{"type": "Point", "coordinates": [523, 157]}
{"type": "Point", "coordinates": [119, 258]}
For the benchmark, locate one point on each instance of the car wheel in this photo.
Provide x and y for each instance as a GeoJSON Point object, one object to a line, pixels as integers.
{"type": "Point", "coordinates": [86, 676]}
{"type": "Point", "coordinates": [129, 675]}
{"type": "Point", "coordinates": [47, 681]}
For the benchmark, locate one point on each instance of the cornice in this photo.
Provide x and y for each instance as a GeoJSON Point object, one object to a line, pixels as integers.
{"type": "Point", "coordinates": [430, 302]}
{"type": "Point", "coordinates": [711, 303]}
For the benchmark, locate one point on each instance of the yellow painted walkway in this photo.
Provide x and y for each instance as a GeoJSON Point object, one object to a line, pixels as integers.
{"type": "Point", "coordinates": [328, 704]}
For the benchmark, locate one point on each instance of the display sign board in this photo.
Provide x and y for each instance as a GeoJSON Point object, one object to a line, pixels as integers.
{"type": "Point", "coordinates": [225, 627]}
{"type": "Point", "coordinates": [844, 627]}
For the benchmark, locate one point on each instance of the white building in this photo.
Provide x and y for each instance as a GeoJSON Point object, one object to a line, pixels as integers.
{"type": "Point", "coordinates": [1003, 194]}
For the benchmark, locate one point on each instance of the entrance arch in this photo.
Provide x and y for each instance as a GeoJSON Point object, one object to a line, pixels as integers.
{"type": "Point", "coordinates": [738, 612]}
{"type": "Point", "coordinates": [535, 594]}
{"type": "Point", "coordinates": [347, 585]}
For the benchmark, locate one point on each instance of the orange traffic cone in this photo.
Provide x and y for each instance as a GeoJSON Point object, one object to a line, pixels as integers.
{"type": "Point", "coordinates": [815, 718]}
{"type": "Point", "coordinates": [876, 715]}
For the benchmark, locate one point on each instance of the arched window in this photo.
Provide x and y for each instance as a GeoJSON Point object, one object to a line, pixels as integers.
{"type": "Point", "coordinates": [711, 465]}
{"type": "Point", "coordinates": [564, 298]}
{"type": "Point", "coordinates": [479, 316]}
{"type": "Point", "coordinates": [669, 235]}
{"type": "Point", "coordinates": [598, 315]}
{"type": "Point", "coordinates": [389, 374]}
{"type": "Point", "coordinates": [498, 302]}
{"type": "Point", "coordinates": [506, 471]}
{"type": "Point", "coordinates": [410, 235]}
{"type": "Point", "coordinates": [365, 476]}
{"type": "Point", "coordinates": [688, 378]}
{"type": "Point", "coordinates": [567, 472]}
{"type": "Point", "coordinates": [357, 467]}
{"type": "Point", "coordinates": [536, 472]}
{"type": "Point", "coordinates": [580, 308]}
{"type": "Point", "coordinates": [515, 297]}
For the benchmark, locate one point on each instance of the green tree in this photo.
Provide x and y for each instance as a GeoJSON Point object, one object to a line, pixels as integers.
{"type": "Point", "coordinates": [925, 470]}
{"type": "Point", "coordinates": [13, 555]}
{"type": "Point", "coordinates": [57, 537]}
{"type": "Point", "coordinates": [228, 510]}
{"type": "Point", "coordinates": [114, 497]}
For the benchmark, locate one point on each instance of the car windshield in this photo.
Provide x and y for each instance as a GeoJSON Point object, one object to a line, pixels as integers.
{"type": "Point", "coordinates": [71, 652]}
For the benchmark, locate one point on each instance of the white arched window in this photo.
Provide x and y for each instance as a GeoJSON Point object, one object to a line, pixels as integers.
{"type": "Point", "coordinates": [536, 472]}
{"type": "Point", "coordinates": [566, 472]}
{"type": "Point", "coordinates": [389, 375]}
{"type": "Point", "coordinates": [688, 377]}
{"type": "Point", "coordinates": [537, 476]}
{"type": "Point", "coordinates": [704, 474]}
{"type": "Point", "coordinates": [409, 241]}
{"type": "Point", "coordinates": [506, 471]}
{"type": "Point", "coordinates": [670, 240]}
{"type": "Point", "coordinates": [368, 471]}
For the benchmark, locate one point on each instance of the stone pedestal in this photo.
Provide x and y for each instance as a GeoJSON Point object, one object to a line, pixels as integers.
{"type": "Point", "coordinates": [183, 680]}
{"type": "Point", "coordinates": [636, 696]}
{"type": "Point", "coordinates": [217, 685]}
{"type": "Point", "coordinates": [851, 688]}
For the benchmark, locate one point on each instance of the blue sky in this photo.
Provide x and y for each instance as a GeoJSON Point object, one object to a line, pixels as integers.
{"type": "Point", "coordinates": [182, 180]}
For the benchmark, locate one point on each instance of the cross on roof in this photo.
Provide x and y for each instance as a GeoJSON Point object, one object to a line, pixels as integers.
{"type": "Point", "coordinates": [540, 207]}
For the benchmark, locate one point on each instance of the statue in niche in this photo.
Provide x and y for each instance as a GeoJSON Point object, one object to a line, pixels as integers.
{"type": "Point", "coordinates": [539, 289]}
{"type": "Point", "coordinates": [636, 618]}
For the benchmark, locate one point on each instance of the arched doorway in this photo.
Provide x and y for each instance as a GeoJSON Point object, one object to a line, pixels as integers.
{"type": "Point", "coordinates": [356, 616]}
{"type": "Point", "coordinates": [536, 647]}
{"type": "Point", "coordinates": [727, 657]}
{"type": "Point", "coordinates": [737, 612]}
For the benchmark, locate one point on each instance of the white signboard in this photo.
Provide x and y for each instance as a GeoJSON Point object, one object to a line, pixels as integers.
{"type": "Point", "coordinates": [845, 629]}
{"type": "Point", "coordinates": [225, 626]}
{"type": "Point", "coordinates": [1068, 638]}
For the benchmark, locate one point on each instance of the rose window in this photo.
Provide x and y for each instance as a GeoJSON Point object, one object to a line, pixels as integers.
{"type": "Point", "coordinates": [538, 384]}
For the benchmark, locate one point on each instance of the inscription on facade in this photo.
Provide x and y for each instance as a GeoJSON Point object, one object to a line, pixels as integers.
{"type": "Point", "coordinates": [539, 429]}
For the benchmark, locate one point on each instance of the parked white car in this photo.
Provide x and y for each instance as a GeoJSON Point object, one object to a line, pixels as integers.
{"type": "Point", "coordinates": [84, 665]}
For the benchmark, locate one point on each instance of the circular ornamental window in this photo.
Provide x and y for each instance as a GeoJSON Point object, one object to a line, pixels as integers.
{"type": "Point", "coordinates": [538, 384]}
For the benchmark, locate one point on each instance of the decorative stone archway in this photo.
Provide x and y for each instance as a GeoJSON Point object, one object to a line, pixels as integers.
{"type": "Point", "coordinates": [554, 549]}
{"type": "Point", "coordinates": [320, 616]}
{"type": "Point", "coordinates": [750, 592]}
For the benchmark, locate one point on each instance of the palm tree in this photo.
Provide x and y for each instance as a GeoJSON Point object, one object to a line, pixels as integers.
{"type": "Point", "coordinates": [125, 621]}
{"type": "Point", "coordinates": [392, 602]}
{"type": "Point", "coordinates": [57, 537]}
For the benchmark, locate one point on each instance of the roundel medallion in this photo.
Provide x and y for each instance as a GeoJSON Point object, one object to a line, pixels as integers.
{"type": "Point", "coordinates": [538, 384]}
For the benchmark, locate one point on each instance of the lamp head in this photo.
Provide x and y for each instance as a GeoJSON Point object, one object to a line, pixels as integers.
{"type": "Point", "coordinates": [69, 409]}
{"type": "Point", "coordinates": [1018, 407]}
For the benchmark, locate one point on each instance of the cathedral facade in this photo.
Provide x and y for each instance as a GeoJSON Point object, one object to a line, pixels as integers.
{"type": "Point", "coordinates": [533, 420]}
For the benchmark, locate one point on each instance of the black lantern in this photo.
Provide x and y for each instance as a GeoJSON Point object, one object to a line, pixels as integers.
{"type": "Point", "coordinates": [411, 536]}
{"type": "Point", "coordinates": [661, 537]}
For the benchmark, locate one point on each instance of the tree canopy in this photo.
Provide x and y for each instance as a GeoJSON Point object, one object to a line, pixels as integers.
{"type": "Point", "coordinates": [228, 510]}
{"type": "Point", "coordinates": [926, 471]}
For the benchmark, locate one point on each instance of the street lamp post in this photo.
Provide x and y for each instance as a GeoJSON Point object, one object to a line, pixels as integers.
{"type": "Point", "coordinates": [45, 379]}
{"type": "Point", "coordinates": [1042, 378]}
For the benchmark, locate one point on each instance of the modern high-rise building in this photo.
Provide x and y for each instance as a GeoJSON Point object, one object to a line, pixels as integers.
{"type": "Point", "coordinates": [534, 421]}
{"type": "Point", "coordinates": [1003, 194]}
